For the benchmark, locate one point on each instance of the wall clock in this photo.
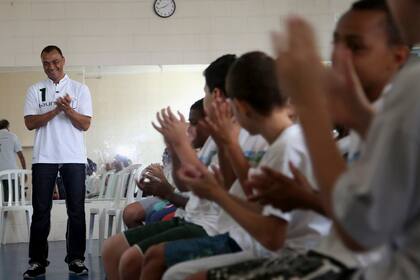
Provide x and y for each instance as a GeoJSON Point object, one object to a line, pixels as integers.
{"type": "Point", "coordinates": [164, 8]}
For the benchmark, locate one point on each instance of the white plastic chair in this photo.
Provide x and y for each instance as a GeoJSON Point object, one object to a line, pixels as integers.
{"type": "Point", "coordinates": [120, 186]}
{"type": "Point", "coordinates": [124, 196]}
{"type": "Point", "coordinates": [114, 211]}
{"type": "Point", "coordinates": [132, 184]}
{"type": "Point", "coordinates": [106, 188]}
{"type": "Point", "coordinates": [92, 186]}
{"type": "Point", "coordinates": [16, 200]}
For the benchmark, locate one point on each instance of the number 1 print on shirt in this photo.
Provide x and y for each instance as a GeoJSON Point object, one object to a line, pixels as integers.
{"type": "Point", "coordinates": [43, 94]}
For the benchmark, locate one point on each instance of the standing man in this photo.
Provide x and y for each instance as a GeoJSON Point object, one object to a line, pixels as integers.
{"type": "Point", "coordinates": [60, 110]}
{"type": "Point", "coordinates": [9, 147]}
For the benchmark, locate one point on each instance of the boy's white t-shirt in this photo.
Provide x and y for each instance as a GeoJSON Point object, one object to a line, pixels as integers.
{"type": "Point", "coordinates": [305, 228]}
{"type": "Point", "coordinates": [58, 141]}
{"type": "Point", "coordinates": [200, 211]}
{"type": "Point", "coordinates": [206, 213]}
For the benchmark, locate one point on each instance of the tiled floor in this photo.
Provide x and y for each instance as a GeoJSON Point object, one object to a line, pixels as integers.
{"type": "Point", "coordinates": [14, 258]}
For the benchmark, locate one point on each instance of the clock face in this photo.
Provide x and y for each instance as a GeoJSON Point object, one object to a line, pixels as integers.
{"type": "Point", "coordinates": [164, 8]}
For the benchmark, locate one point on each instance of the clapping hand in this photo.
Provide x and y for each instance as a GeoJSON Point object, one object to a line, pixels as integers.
{"type": "Point", "coordinates": [345, 96]}
{"type": "Point", "coordinates": [201, 181]}
{"type": "Point", "coordinates": [153, 182]}
{"type": "Point", "coordinates": [301, 72]}
{"type": "Point", "coordinates": [221, 123]}
{"type": "Point", "coordinates": [63, 103]}
{"type": "Point", "coordinates": [173, 128]}
{"type": "Point", "coordinates": [283, 192]}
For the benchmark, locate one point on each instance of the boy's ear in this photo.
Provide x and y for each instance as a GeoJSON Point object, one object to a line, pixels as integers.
{"type": "Point", "coordinates": [242, 107]}
{"type": "Point", "coordinates": [401, 54]}
{"type": "Point", "coordinates": [291, 111]}
{"type": "Point", "coordinates": [217, 93]}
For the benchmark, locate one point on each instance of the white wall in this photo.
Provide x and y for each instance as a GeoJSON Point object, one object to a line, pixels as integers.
{"type": "Point", "coordinates": [127, 32]}
{"type": "Point", "coordinates": [125, 100]}
{"type": "Point", "coordinates": [126, 104]}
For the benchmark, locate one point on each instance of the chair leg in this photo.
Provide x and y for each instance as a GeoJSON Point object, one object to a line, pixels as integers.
{"type": "Point", "coordinates": [91, 228]}
{"type": "Point", "coordinates": [110, 224]}
{"type": "Point", "coordinates": [119, 221]}
{"type": "Point", "coordinates": [101, 231]}
{"type": "Point", "coordinates": [3, 229]}
{"type": "Point", "coordinates": [28, 221]}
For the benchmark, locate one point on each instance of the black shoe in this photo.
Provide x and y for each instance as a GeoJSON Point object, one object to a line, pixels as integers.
{"type": "Point", "coordinates": [35, 270]}
{"type": "Point", "coordinates": [78, 267]}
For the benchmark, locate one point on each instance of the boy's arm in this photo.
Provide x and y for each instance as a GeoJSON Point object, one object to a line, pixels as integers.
{"type": "Point", "coordinates": [268, 230]}
{"type": "Point", "coordinates": [239, 163]}
{"type": "Point", "coordinates": [283, 192]}
{"type": "Point", "coordinates": [228, 174]}
{"type": "Point", "coordinates": [177, 199]}
{"type": "Point", "coordinates": [158, 185]}
{"type": "Point", "coordinates": [176, 165]}
{"type": "Point", "coordinates": [174, 130]}
{"type": "Point", "coordinates": [225, 131]}
{"type": "Point", "coordinates": [302, 76]}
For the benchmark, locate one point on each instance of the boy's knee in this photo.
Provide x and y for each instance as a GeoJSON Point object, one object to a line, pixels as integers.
{"type": "Point", "coordinates": [133, 214]}
{"type": "Point", "coordinates": [130, 262]}
{"type": "Point", "coordinates": [107, 248]}
{"type": "Point", "coordinates": [113, 247]}
{"type": "Point", "coordinates": [156, 253]}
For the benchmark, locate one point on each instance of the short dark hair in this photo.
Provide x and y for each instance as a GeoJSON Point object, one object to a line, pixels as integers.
{"type": "Point", "coordinates": [215, 73]}
{"type": "Point", "coordinates": [199, 106]}
{"type": "Point", "coordinates": [4, 124]}
{"type": "Point", "coordinates": [394, 36]}
{"type": "Point", "coordinates": [51, 48]}
{"type": "Point", "coordinates": [253, 79]}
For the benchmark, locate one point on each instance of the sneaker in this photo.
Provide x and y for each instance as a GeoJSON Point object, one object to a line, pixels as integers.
{"type": "Point", "coordinates": [35, 270]}
{"type": "Point", "coordinates": [78, 267]}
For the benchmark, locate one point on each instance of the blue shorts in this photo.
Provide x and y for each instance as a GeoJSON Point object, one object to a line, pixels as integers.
{"type": "Point", "coordinates": [152, 204]}
{"type": "Point", "coordinates": [190, 249]}
{"type": "Point", "coordinates": [156, 216]}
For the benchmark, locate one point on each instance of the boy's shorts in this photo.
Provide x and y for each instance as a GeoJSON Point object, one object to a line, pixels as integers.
{"type": "Point", "coordinates": [151, 234]}
{"type": "Point", "coordinates": [151, 204]}
{"type": "Point", "coordinates": [156, 216]}
{"type": "Point", "coordinates": [190, 249]}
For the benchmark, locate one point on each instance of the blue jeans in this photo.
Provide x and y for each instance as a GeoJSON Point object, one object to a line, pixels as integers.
{"type": "Point", "coordinates": [44, 176]}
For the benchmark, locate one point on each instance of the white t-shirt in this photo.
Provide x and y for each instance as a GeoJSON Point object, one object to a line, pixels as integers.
{"type": "Point", "coordinates": [9, 146]}
{"type": "Point", "coordinates": [201, 211]}
{"type": "Point", "coordinates": [377, 199]}
{"type": "Point", "coordinates": [58, 141]}
{"type": "Point", "coordinates": [305, 228]}
{"type": "Point", "coordinates": [204, 212]}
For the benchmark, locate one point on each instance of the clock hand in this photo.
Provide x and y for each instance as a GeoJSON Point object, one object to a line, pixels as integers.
{"type": "Point", "coordinates": [161, 7]}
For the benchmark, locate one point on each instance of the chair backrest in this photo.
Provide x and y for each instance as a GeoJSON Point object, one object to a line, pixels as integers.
{"type": "Point", "coordinates": [120, 187]}
{"type": "Point", "coordinates": [16, 182]}
{"type": "Point", "coordinates": [103, 184]}
{"type": "Point", "coordinates": [132, 186]}
{"type": "Point", "coordinates": [92, 183]}
{"type": "Point", "coordinates": [124, 186]}
{"type": "Point", "coordinates": [111, 186]}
